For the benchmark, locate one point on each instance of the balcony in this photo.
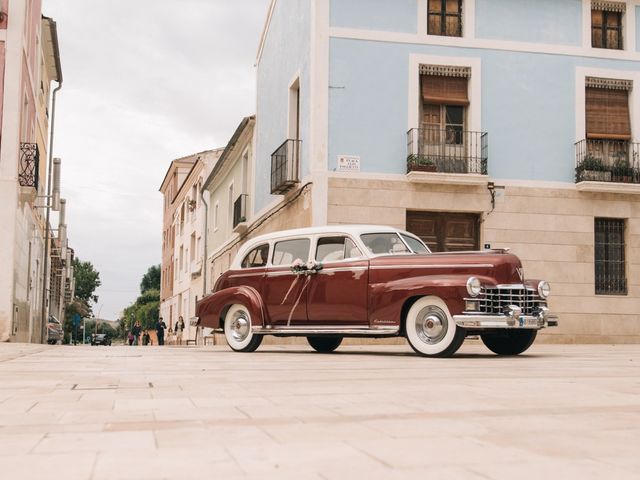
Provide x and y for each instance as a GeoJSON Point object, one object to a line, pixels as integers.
{"type": "Point", "coordinates": [608, 166]}
{"type": "Point", "coordinates": [448, 155]}
{"type": "Point", "coordinates": [240, 213]}
{"type": "Point", "coordinates": [195, 267]}
{"type": "Point", "coordinates": [29, 165]}
{"type": "Point", "coordinates": [285, 167]}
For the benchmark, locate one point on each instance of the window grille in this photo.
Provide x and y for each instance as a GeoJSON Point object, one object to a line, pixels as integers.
{"type": "Point", "coordinates": [610, 277]}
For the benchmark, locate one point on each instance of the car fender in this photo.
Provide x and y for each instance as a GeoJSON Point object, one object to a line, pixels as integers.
{"type": "Point", "coordinates": [212, 309]}
{"type": "Point", "coordinates": [388, 299]}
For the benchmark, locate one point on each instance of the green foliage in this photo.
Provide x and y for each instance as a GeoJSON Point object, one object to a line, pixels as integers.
{"type": "Point", "coordinates": [144, 310]}
{"type": "Point", "coordinates": [87, 281]}
{"type": "Point", "coordinates": [151, 279]}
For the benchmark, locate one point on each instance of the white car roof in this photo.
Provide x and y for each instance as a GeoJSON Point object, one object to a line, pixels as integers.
{"type": "Point", "coordinates": [353, 230]}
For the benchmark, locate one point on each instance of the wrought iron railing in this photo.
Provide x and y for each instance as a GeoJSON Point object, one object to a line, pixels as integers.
{"type": "Point", "coordinates": [449, 150]}
{"type": "Point", "coordinates": [29, 165]}
{"type": "Point", "coordinates": [607, 161]}
{"type": "Point", "coordinates": [240, 209]}
{"type": "Point", "coordinates": [285, 167]}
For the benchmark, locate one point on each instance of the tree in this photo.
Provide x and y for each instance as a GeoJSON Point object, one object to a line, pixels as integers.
{"type": "Point", "coordinates": [151, 279]}
{"type": "Point", "coordinates": [145, 310]}
{"type": "Point", "coordinates": [87, 281]}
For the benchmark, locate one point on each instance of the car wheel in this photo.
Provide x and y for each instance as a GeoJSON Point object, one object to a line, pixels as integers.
{"type": "Point", "coordinates": [430, 329]}
{"type": "Point", "coordinates": [324, 344]}
{"type": "Point", "coordinates": [512, 342]}
{"type": "Point", "coordinates": [238, 332]}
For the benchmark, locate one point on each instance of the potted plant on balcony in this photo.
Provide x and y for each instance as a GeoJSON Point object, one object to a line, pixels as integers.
{"type": "Point", "coordinates": [420, 163]}
{"type": "Point", "coordinates": [622, 171]}
{"type": "Point", "coordinates": [592, 169]}
{"type": "Point", "coordinates": [191, 205]}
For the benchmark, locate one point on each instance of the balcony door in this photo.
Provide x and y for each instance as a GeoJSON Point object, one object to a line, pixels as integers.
{"type": "Point", "coordinates": [442, 139]}
{"type": "Point", "coordinates": [446, 231]}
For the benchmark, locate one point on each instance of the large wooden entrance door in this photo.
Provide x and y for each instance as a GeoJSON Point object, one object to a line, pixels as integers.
{"type": "Point", "coordinates": [444, 231]}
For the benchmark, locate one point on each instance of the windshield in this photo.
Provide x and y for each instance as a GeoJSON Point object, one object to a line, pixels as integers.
{"type": "Point", "coordinates": [414, 244]}
{"type": "Point", "coordinates": [384, 243]}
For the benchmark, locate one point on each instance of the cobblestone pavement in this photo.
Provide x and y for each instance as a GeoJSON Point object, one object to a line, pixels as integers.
{"type": "Point", "coordinates": [373, 412]}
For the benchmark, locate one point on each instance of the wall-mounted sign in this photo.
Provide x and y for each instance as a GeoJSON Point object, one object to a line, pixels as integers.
{"type": "Point", "coordinates": [348, 163]}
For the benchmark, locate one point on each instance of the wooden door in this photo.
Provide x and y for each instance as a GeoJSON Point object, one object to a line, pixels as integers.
{"type": "Point", "coordinates": [446, 231]}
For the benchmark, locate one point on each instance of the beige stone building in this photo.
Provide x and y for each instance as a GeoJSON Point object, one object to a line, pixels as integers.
{"type": "Point", "coordinates": [29, 63]}
{"type": "Point", "coordinates": [183, 238]}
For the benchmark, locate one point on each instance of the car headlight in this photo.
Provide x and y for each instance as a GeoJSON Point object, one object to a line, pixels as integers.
{"type": "Point", "coordinates": [544, 289]}
{"type": "Point", "coordinates": [474, 287]}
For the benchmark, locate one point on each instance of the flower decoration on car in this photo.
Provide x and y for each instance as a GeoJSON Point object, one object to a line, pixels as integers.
{"type": "Point", "coordinates": [314, 265]}
{"type": "Point", "coordinates": [298, 266]}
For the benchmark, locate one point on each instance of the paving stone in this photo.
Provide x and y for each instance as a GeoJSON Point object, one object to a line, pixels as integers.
{"type": "Point", "coordinates": [370, 411]}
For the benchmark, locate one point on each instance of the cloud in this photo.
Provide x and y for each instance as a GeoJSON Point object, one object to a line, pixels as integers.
{"type": "Point", "coordinates": [145, 81]}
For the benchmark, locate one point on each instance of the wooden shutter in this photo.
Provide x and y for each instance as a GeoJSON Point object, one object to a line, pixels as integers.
{"type": "Point", "coordinates": [445, 231]}
{"type": "Point", "coordinates": [441, 90]}
{"type": "Point", "coordinates": [607, 113]}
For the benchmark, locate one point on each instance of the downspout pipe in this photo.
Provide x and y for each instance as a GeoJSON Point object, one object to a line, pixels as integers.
{"type": "Point", "coordinates": [206, 239]}
{"type": "Point", "coordinates": [47, 241]}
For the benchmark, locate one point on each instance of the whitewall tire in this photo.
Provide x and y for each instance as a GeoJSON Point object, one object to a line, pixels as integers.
{"type": "Point", "coordinates": [430, 329]}
{"type": "Point", "coordinates": [237, 330]}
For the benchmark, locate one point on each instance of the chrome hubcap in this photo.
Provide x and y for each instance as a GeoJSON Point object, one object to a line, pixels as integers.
{"type": "Point", "coordinates": [240, 326]}
{"type": "Point", "coordinates": [431, 325]}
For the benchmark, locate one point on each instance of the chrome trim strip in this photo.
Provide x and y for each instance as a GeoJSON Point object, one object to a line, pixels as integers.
{"type": "Point", "coordinates": [474, 265]}
{"type": "Point", "coordinates": [503, 321]}
{"type": "Point", "coordinates": [364, 331]}
{"type": "Point", "coordinates": [280, 274]}
{"type": "Point", "coordinates": [342, 269]}
{"type": "Point", "coordinates": [239, 275]}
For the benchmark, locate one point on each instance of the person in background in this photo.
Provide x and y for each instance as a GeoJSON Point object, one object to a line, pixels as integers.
{"type": "Point", "coordinates": [136, 330]}
{"type": "Point", "coordinates": [130, 338]}
{"type": "Point", "coordinates": [179, 330]}
{"type": "Point", "coordinates": [146, 338]}
{"type": "Point", "coordinates": [160, 328]}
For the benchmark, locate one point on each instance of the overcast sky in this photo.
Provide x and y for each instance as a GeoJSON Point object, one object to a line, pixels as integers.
{"type": "Point", "coordinates": [145, 81]}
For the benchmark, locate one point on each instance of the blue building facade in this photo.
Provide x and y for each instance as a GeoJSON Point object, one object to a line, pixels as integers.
{"type": "Point", "coordinates": [473, 123]}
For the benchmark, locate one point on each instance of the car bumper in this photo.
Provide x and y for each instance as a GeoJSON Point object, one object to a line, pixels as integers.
{"type": "Point", "coordinates": [510, 320]}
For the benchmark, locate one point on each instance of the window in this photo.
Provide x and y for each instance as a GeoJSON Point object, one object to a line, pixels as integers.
{"type": "Point", "coordinates": [610, 277]}
{"type": "Point", "coordinates": [607, 111]}
{"type": "Point", "coordinates": [256, 257]}
{"type": "Point", "coordinates": [445, 18]}
{"type": "Point", "coordinates": [286, 252]}
{"type": "Point", "coordinates": [334, 249]}
{"type": "Point", "coordinates": [193, 247]}
{"type": "Point", "coordinates": [384, 243]}
{"type": "Point", "coordinates": [414, 244]}
{"type": "Point", "coordinates": [606, 25]}
{"type": "Point", "coordinates": [444, 101]}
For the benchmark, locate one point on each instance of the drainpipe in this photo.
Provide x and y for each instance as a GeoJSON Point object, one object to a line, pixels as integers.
{"type": "Point", "coordinates": [47, 229]}
{"type": "Point", "coordinates": [206, 241]}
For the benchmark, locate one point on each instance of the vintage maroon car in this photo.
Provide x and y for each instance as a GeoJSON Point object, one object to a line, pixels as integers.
{"type": "Point", "coordinates": [328, 283]}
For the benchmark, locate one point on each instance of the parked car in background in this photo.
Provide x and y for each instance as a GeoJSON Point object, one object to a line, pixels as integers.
{"type": "Point", "coordinates": [328, 283]}
{"type": "Point", "coordinates": [55, 332]}
{"type": "Point", "coordinates": [100, 339]}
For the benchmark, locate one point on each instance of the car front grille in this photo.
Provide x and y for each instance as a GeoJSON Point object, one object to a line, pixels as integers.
{"type": "Point", "coordinates": [494, 300]}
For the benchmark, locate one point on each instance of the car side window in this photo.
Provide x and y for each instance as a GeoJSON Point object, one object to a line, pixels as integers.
{"type": "Point", "coordinates": [287, 251]}
{"type": "Point", "coordinates": [334, 249]}
{"type": "Point", "coordinates": [256, 257]}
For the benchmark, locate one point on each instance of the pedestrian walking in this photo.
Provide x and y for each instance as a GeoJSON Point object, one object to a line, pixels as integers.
{"type": "Point", "coordinates": [136, 331]}
{"type": "Point", "coordinates": [146, 338]}
{"type": "Point", "coordinates": [179, 330]}
{"type": "Point", "coordinates": [160, 328]}
{"type": "Point", "coordinates": [130, 338]}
